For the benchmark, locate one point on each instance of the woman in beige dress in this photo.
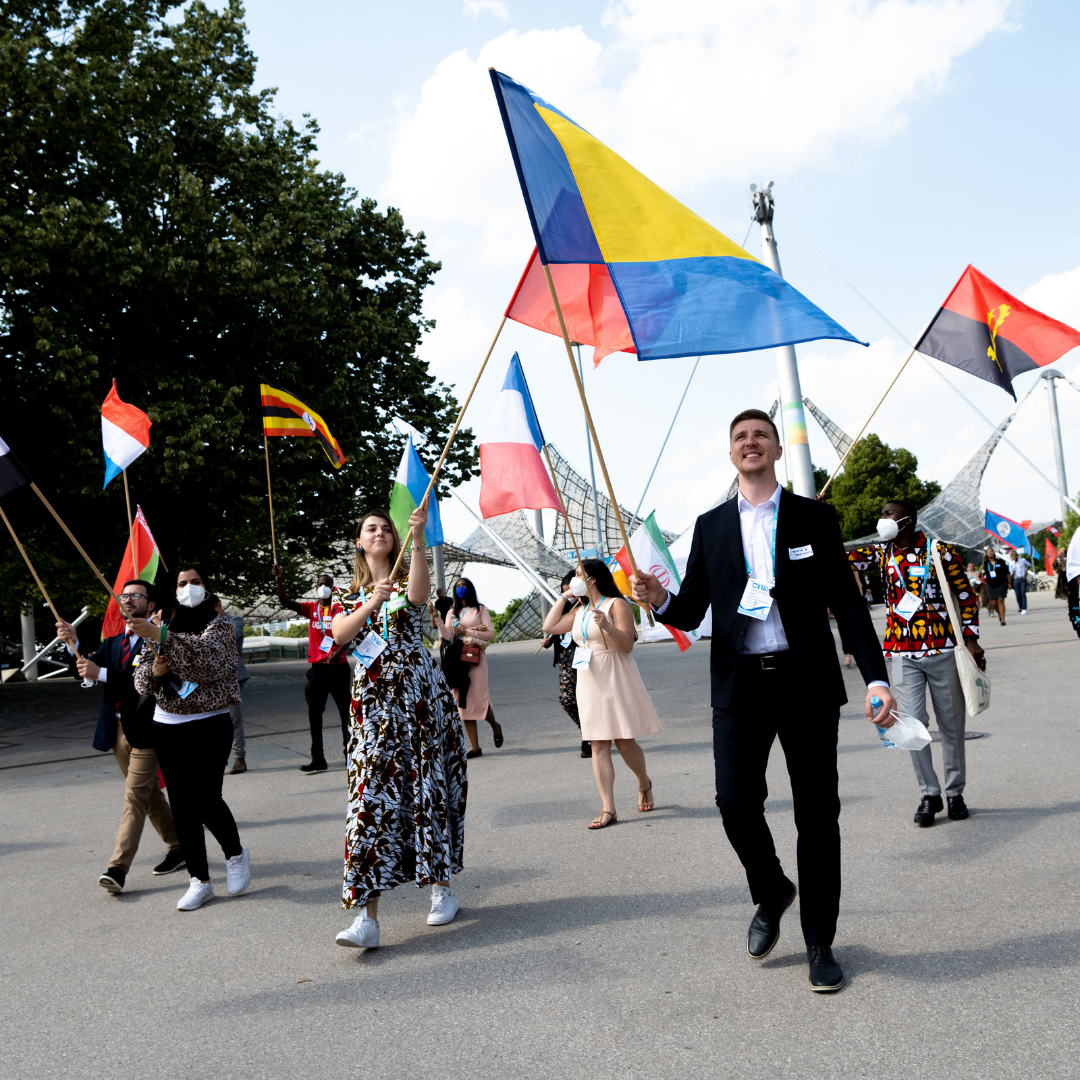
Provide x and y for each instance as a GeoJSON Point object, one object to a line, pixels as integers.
{"type": "Point", "coordinates": [470, 621]}
{"type": "Point", "coordinates": [613, 704]}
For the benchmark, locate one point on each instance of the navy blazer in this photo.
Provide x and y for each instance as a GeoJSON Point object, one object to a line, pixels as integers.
{"type": "Point", "coordinates": [119, 686]}
{"type": "Point", "coordinates": [805, 589]}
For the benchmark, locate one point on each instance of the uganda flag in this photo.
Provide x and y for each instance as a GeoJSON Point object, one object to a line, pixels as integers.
{"type": "Point", "coordinates": [284, 414]}
{"type": "Point", "coordinates": [983, 330]}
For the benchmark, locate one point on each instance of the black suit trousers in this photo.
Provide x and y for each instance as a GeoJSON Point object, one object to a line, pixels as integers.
{"type": "Point", "coordinates": [765, 706]}
{"type": "Point", "coordinates": [323, 681]}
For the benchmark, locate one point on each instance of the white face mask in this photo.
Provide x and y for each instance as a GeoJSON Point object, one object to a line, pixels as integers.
{"type": "Point", "coordinates": [889, 528]}
{"type": "Point", "coordinates": [324, 592]}
{"type": "Point", "coordinates": [191, 595]}
{"type": "Point", "coordinates": [578, 587]}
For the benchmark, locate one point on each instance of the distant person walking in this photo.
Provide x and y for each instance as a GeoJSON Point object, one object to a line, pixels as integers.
{"type": "Point", "coordinates": [236, 712]}
{"type": "Point", "coordinates": [192, 679]}
{"type": "Point", "coordinates": [471, 622]}
{"type": "Point", "coordinates": [1061, 590]}
{"type": "Point", "coordinates": [612, 701]}
{"type": "Point", "coordinates": [1018, 570]}
{"type": "Point", "coordinates": [329, 674]}
{"type": "Point", "coordinates": [564, 650]}
{"type": "Point", "coordinates": [119, 730]}
{"type": "Point", "coordinates": [996, 580]}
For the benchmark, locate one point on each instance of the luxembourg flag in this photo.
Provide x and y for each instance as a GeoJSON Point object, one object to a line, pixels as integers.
{"type": "Point", "coordinates": [512, 473]}
{"type": "Point", "coordinates": [125, 434]}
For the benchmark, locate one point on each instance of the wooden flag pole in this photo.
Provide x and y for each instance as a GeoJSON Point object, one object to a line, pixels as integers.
{"type": "Point", "coordinates": [446, 449]}
{"type": "Point", "coordinates": [866, 425]}
{"type": "Point", "coordinates": [30, 567]}
{"type": "Point", "coordinates": [592, 427]}
{"type": "Point", "coordinates": [131, 527]}
{"type": "Point", "coordinates": [270, 495]}
{"type": "Point", "coordinates": [78, 546]}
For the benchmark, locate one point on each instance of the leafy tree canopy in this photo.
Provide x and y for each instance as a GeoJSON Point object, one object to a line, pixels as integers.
{"type": "Point", "coordinates": [873, 474]}
{"type": "Point", "coordinates": [159, 225]}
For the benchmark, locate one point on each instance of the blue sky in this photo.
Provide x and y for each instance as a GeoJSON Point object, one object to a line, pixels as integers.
{"type": "Point", "coordinates": [905, 141]}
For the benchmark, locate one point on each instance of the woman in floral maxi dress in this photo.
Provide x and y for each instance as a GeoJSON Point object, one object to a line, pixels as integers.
{"type": "Point", "coordinates": [407, 782]}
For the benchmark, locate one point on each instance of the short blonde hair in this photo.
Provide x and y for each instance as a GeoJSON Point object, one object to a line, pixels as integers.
{"type": "Point", "coordinates": [362, 575]}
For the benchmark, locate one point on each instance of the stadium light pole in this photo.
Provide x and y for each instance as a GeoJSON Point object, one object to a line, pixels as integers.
{"type": "Point", "coordinates": [793, 418]}
{"type": "Point", "coordinates": [1049, 374]}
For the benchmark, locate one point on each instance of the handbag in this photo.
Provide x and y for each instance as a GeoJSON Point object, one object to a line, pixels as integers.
{"type": "Point", "coordinates": [470, 654]}
{"type": "Point", "coordinates": [974, 683]}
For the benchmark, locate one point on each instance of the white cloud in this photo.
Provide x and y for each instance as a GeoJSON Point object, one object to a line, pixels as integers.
{"type": "Point", "coordinates": [1057, 295]}
{"type": "Point", "coordinates": [496, 8]}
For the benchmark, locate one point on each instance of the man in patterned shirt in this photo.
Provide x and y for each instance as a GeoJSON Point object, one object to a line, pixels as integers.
{"type": "Point", "coordinates": [919, 639]}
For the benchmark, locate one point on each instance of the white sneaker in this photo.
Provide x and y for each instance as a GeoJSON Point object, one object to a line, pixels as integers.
{"type": "Point", "coordinates": [444, 906]}
{"type": "Point", "coordinates": [238, 872]}
{"type": "Point", "coordinates": [363, 934]}
{"type": "Point", "coordinates": [1024, 612]}
{"type": "Point", "coordinates": [197, 894]}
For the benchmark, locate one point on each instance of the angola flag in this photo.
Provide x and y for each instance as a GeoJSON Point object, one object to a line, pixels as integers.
{"type": "Point", "coordinates": [284, 414]}
{"type": "Point", "coordinates": [983, 330]}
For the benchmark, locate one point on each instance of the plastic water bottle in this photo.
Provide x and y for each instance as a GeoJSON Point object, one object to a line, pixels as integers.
{"type": "Point", "coordinates": [883, 733]}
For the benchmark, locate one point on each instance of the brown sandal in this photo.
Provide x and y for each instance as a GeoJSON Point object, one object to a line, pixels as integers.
{"type": "Point", "coordinates": [642, 805]}
{"type": "Point", "coordinates": [599, 823]}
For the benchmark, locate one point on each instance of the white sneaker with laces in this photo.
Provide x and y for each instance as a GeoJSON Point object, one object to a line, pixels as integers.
{"type": "Point", "coordinates": [197, 894]}
{"type": "Point", "coordinates": [444, 906]}
{"type": "Point", "coordinates": [363, 934]}
{"type": "Point", "coordinates": [238, 872]}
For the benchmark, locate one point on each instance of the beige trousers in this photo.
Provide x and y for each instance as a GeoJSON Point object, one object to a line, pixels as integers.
{"type": "Point", "coordinates": [142, 798]}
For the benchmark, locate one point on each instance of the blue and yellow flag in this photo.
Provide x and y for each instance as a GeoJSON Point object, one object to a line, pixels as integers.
{"type": "Point", "coordinates": [686, 289]}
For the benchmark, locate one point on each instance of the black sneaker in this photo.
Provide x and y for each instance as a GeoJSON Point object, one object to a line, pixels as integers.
{"type": "Point", "coordinates": [313, 767]}
{"type": "Point", "coordinates": [113, 880]}
{"type": "Point", "coordinates": [586, 748]}
{"type": "Point", "coordinates": [174, 860]}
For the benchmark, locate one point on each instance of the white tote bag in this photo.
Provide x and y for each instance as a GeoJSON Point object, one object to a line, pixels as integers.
{"type": "Point", "coordinates": [975, 683]}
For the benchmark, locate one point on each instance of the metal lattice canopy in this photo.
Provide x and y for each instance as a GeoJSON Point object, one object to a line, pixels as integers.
{"type": "Point", "coordinates": [527, 623]}
{"type": "Point", "coordinates": [515, 530]}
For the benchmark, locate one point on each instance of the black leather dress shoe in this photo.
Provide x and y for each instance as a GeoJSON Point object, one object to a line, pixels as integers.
{"type": "Point", "coordinates": [825, 974]}
{"type": "Point", "coordinates": [931, 805]}
{"type": "Point", "coordinates": [957, 808]}
{"type": "Point", "coordinates": [764, 930]}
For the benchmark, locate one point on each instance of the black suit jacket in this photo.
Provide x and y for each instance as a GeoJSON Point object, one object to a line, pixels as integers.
{"type": "Point", "coordinates": [118, 687]}
{"type": "Point", "coordinates": [804, 591]}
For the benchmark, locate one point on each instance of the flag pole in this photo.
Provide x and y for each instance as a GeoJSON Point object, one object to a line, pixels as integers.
{"type": "Point", "coordinates": [866, 425]}
{"type": "Point", "coordinates": [592, 427]}
{"type": "Point", "coordinates": [269, 495]}
{"type": "Point", "coordinates": [131, 528]}
{"type": "Point", "coordinates": [30, 567]}
{"type": "Point", "coordinates": [78, 546]}
{"type": "Point", "coordinates": [446, 449]}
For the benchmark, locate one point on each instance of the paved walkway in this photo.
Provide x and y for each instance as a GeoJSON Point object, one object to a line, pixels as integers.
{"type": "Point", "coordinates": [615, 954]}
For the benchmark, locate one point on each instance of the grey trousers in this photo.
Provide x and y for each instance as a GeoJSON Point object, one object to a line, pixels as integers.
{"type": "Point", "coordinates": [236, 714]}
{"type": "Point", "coordinates": [910, 681]}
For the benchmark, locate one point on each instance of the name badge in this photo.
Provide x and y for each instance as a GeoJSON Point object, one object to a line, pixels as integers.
{"type": "Point", "coordinates": [908, 606]}
{"type": "Point", "coordinates": [756, 600]}
{"type": "Point", "coordinates": [396, 604]}
{"type": "Point", "coordinates": [803, 552]}
{"type": "Point", "coordinates": [582, 658]}
{"type": "Point", "coordinates": [186, 688]}
{"type": "Point", "coordinates": [992, 573]}
{"type": "Point", "coordinates": [370, 649]}
{"type": "Point", "coordinates": [917, 571]}
{"type": "Point", "coordinates": [327, 643]}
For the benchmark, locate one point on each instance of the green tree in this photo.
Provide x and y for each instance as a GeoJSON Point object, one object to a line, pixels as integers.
{"type": "Point", "coordinates": [159, 225]}
{"type": "Point", "coordinates": [1068, 527]}
{"type": "Point", "coordinates": [501, 618]}
{"type": "Point", "coordinates": [873, 474]}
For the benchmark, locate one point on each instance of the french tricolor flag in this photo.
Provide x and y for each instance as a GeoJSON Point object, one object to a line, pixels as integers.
{"type": "Point", "coordinates": [512, 473]}
{"type": "Point", "coordinates": [125, 434]}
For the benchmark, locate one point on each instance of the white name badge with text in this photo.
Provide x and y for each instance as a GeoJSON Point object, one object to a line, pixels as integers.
{"type": "Point", "coordinates": [582, 658]}
{"type": "Point", "coordinates": [327, 643]}
{"type": "Point", "coordinates": [803, 552]}
{"type": "Point", "coordinates": [756, 600]}
{"type": "Point", "coordinates": [186, 687]}
{"type": "Point", "coordinates": [396, 604]}
{"type": "Point", "coordinates": [908, 606]}
{"type": "Point", "coordinates": [370, 649]}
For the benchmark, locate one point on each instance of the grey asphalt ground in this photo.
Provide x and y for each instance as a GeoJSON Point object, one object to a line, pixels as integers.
{"type": "Point", "coordinates": [616, 954]}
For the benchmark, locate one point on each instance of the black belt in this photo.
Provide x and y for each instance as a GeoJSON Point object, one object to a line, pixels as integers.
{"type": "Point", "coordinates": [765, 661]}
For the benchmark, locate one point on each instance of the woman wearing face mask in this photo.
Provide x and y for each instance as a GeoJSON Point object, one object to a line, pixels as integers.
{"type": "Point", "coordinates": [612, 700]}
{"type": "Point", "coordinates": [564, 660]}
{"type": "Point", "coordinates": [471, 623]}
{"type": "Point", "coordinates": [407, 784]}
{"type": "Point", "coordinates": [189, 666]}
{"type": "Point", "coordinates": [996, 580]}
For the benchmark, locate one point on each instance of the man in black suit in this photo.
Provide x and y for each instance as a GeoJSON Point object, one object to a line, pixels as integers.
{"type": "Point", "coordinates": [772, 564]}
{"type": "Point", "coordinates": [118, 730]}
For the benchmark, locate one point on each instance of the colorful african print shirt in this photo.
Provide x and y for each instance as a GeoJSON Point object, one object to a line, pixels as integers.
{"type": "Point", "coordinates": [929, 630]}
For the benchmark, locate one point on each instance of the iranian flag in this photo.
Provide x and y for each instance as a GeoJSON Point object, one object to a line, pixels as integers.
{"type": "Point", "coordinates": [652, 555]}
{"type": "Point", "coordinates": [144, 565]}
{"type": "Point", "coordinates": [409, 486]}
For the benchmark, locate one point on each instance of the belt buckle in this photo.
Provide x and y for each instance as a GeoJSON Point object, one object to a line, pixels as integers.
{"type": "Point", "coordinates": [769, 662]}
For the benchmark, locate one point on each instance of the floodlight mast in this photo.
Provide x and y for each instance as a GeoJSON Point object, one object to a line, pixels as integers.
{"type": "Point", "coordinates": [1049, 374]}
{"type": "Point", "coordinates": [792, 416]}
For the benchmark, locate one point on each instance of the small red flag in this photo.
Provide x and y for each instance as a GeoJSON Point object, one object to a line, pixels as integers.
{"type": "Point", "coordinates": [1051, 556]}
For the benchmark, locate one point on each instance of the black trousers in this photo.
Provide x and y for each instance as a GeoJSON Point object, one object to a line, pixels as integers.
{"type": "Point", "coordinates": [193, 757]}
{"type": "Point", "coordinates": [766, 705]}
{"type": "Point", "coordinates": [323, 681]}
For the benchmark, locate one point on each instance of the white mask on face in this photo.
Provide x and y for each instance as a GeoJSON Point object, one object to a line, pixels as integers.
{"type": "Point", "coordinates": [889, 528]}
{"type": "Point", "coordinates": [578, 587]}
{"type": "Point", "coordinates": [191, 595]}
{"type": "Point", "coordinates": [324, 592]}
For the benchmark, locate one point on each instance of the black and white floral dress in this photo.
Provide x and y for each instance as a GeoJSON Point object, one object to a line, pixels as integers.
{"type": "Point", "coordinates": [407, 779]}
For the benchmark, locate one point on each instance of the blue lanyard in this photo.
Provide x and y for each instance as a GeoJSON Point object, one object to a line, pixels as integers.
{"type": "Point", "coordinates": [903, 580]}
{"type": "Point", "coordinates": [586, 613]}
{"type": "Point", "coordinates": [385, 624]}
{"type": "Point", "coordinates": [772, 556]}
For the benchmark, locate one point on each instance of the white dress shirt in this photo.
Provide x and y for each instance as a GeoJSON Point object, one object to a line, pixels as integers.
{"type": "Point", "coordinates": [756, 524]}
{"type": "Point", "coordinates": [103, 673]}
